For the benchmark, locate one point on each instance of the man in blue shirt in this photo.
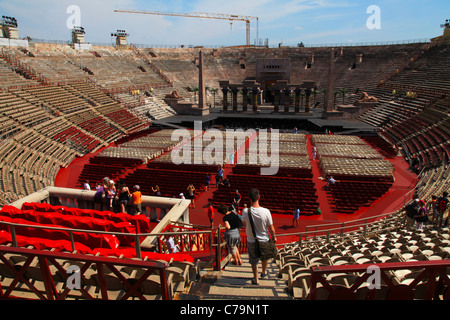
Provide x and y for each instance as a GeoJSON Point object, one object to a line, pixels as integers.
{"type": "Point", "coordinates": [296, 217]}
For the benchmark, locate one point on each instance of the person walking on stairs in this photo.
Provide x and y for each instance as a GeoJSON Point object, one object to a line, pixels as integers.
{"type": "Point", "coordinates": [264, 229]}
{"type": "Point", "coordinates": [232, 235]}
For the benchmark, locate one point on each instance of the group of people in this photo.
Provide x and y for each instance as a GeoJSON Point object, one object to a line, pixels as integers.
{"type": "Point", "coordinates": [233, 222]}
{"type": "Point", "coordinates": [419, 212]}
{"type": "Point", "coordinates": [220, 179]}
{"type": "Point", "coordinates": [122, 195]}
{"type": "Point", "coordinates": [437, 208]}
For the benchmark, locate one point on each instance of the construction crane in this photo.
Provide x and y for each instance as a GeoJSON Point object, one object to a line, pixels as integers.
{"type": "Point", "coordinates": [203, 15]}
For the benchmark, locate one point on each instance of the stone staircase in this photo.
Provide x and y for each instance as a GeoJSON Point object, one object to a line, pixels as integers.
{"type": "Point", "coordinates": [234, 283]}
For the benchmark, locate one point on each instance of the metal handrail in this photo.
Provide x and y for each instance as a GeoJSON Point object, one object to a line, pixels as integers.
{"type": "Point", "coordinates": [341, 228]}
{"type": "Point", "coordinates": [209, 233]}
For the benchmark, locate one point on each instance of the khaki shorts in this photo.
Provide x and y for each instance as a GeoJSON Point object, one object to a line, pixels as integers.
{"type": "Point", "coordinates": [138, 207]}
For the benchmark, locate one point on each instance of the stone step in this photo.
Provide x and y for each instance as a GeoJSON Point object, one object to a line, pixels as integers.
{"type": "Point", "coordinates": [248, 291]}
{"type": "Point", "coordinates": [235, 282]}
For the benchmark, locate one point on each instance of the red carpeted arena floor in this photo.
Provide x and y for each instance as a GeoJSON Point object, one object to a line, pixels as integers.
{"type": "Point", "coordinates": [389, 202]}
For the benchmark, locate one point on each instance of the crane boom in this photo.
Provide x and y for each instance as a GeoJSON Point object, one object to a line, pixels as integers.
{"type": "Point", "coordinates": [203, 15]}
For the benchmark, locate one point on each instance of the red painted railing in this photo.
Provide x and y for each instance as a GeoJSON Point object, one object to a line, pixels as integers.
{"type": "Point", "coordinates": [207, 242]}
{"type": "Point", "coordinates": [430, 281]}
{"type": "Point", "coordinates": [36, 267]}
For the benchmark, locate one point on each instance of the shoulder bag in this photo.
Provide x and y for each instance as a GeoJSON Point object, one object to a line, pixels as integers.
{"type": "Point", "coordinates": [264, 250]}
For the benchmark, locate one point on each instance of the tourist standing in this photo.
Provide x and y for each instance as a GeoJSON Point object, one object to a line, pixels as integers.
{"type": "Point", "coordinates": [264, 229]}
{"type": "Point", "coordinates": [98, 196]}
{"type": "Point", "coordinates": [232, 235]}
{"type": "Point", "coordinates": [137, 199]}
{"type": "Point", "coordinates": [87, 186]}
{"type": "Point", "coordinates": [295, 218]}
{"type": "Point", "coordinates": [237, 200]}
{"type": "Point", "coordinates": [219, 176]}
{"type": "Point", "coordinates": [442, 203]}
{"type": "Point", "coordinates": [210, 212]}
{"type": "Point", "coordinates": [124, 196]}
{"type": "Point", "coordinates": [191, 195]}
{"type": "Point", "coordinates": [111, 193]}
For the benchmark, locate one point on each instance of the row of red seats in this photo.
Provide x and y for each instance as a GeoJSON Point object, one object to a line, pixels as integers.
{"type": "Point", "coordinates": [73, 222]}
{"type": "Point", "coordinates": [78, 137]}
{"type": "Point", "coordinates": [59, 216]}
{"type": "Point", "coordinates": [284, 194]}
{"type": "Point", "coordinates": [99, 127]}
{"type": "Point", "coordinates": [349, 196]}
{"type": "Point", "coordinates": [382, 146]}
{"type": "Point", "coordinates": [140, 221]}
{"type": "Point", "coordinates": [367, 179]}
{"type": "Point", "coordinates": [170, 182]}
{"type": "Point", "coordinates": [90, 240]}
{"type": "Point", "coordinates": [59, 245]}
{"type": "Point", "coordinates": [101, 166]}
{"type": "Point", "coordinates": [62, 136]}
{"type": "Point", "coordinates": [96, 172]}
{"type": "Point", "coordinates": [305, 173]}
{"type": "Point", "coordinates": [46, 215]}
{"type": "Point", "coordinates": [206, 168]}
{"type": "Point", "coordinates": [128, 162]}
{"type": "Point", "coordinates": [66, 246]}
{"type": "Point", "coordinates": [124, 118]}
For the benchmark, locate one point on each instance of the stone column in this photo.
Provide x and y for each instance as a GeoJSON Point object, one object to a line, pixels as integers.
{"type": "Point", "coordinates": [255, 92]}
{"type": "Point", "coordinates": [201, 84]}
{"type": "Point", "coordinates": [307, 100]}
{"type": "Point", "coordinates": [287, 99]}
{"type": "Point", "coordinates": [329, 104]}
{"type": "Point", "coordinates": [225, 98]}
{"type": "Point", "coordinates": [244, 99]}
{"type": "Point", "coordinates": [297, 99]}
{"type": "Point", "coordinates": [234, 94]}
{"type": "Point", "coordinates": [276, 101]}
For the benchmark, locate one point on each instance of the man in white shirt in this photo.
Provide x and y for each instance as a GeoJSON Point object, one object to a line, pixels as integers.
{"type": "Point", "coordinates": [262, 220]}
{"type": "Point", "coordinates": [171, 247]}
{"type": "Point", "coordinates": [86, 185]}
{"type": "Point", "coordinates": [330, 182]}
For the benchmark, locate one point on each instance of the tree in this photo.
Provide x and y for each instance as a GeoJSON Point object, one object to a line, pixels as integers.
{"type": "Point", "coordinates": [324, 92]}
{"type": "Point", "coordinates": [195, 90]}
{"type": "Point", "coordinates": [335, 93]}
{"type": "Point", "coordinates": [214, 92]}
{"type": "Point", "coordinates": [343, 91]}
{"type": "Point", "coordinates": [206, 94]}
{"type": "Point", "coordinates": [314, 93]}
{"type": "Point", "coordinates": [302, 94]}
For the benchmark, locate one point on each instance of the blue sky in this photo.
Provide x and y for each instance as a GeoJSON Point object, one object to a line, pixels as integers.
{"type": "Point", "coordinates": [280, 21]}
